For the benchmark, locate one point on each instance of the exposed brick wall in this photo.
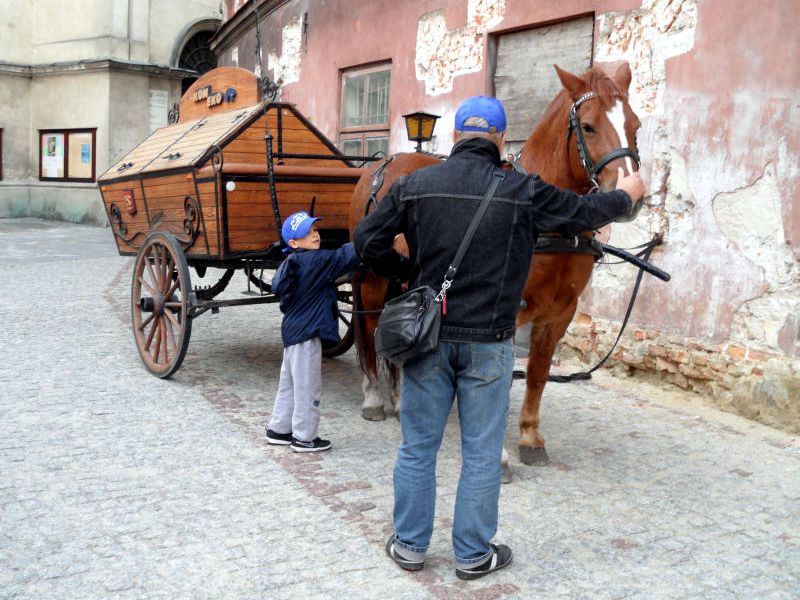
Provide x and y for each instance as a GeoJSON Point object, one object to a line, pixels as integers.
{"type": "Point", "coordinates": [752, 381]}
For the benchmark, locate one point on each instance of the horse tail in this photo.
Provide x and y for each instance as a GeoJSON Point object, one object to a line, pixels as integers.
{"type": "Point", "coordinates": [365, 352]}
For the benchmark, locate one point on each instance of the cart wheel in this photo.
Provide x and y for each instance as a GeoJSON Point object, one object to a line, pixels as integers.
{"type": "Point", "coordinates": [344, 293]}
{"type": "Point", "coordinates": [212, 291]}
{"type": "Point", "coordinates": [160, 304]}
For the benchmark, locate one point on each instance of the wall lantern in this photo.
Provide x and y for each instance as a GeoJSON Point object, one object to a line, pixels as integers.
{"type": "Point", "coordinates": [419, 126]}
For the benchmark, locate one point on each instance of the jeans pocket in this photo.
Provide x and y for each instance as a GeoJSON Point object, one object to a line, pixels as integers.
{"type": "Point", "coordinates": [422, 367]}
{"type": "Point", "coordinates": [489, 361]}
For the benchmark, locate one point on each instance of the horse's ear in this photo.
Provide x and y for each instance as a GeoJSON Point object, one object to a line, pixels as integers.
{"type": "Point", "coordinates": [623, 76]}
{"type": "Point", "coordinates": [572, 83]}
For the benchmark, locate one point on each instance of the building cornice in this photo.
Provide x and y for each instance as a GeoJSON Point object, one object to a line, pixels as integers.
{"type": "Point", "coordinates": [93, 65]}
{"type": "Point", "coordinates": [243, 21]}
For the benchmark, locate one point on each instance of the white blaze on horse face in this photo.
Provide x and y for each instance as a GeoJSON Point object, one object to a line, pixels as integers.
{"type": "Point", "coordinates": [617, 117]}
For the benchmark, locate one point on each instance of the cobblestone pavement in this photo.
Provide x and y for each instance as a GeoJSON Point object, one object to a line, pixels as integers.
{"type": "Point", "coordinates": [116, 484]}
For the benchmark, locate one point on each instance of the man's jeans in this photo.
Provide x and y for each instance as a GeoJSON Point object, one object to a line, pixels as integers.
{"type": "Point", "coordinates": [480, 376]}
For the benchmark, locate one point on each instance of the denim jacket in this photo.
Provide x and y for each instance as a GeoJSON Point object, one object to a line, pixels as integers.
{"type": "Point", "coordinates": [433, 207]}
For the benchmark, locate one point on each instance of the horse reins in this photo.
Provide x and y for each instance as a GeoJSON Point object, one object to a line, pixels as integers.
{"type": "Point", "coordinates": [644, 255]}
{"type": "Point", "coordinates": [593, 169]}
{"type": "Point", "coordinates": [589, 245]}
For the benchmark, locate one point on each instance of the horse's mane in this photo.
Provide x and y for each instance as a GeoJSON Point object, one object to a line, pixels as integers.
{"type": "Point", "coordinates": [596, 80]}
{"type": "Point", "coordinates": [602, 84]}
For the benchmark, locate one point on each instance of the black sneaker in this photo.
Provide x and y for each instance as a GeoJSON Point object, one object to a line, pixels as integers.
{"type": "Point", "coordinates": [500, 558]}
{"type": "Point", "coordinates": [408, 565]}
{"type": "Point", "coordinates": [279, 439]}
{"type": "Point", "coordinates": [315, 445]}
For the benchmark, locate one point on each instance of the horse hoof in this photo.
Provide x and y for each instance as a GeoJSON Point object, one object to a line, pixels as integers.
{"type": "Point", "coordinates": [373, 413]}
{"type": "Point", "coordinates": [507, 476]}
{"type": "Point", "coordinates": [534, 456]}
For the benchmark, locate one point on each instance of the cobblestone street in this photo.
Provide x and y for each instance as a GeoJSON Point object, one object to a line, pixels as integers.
{"type": "Point", "coordinates": [116, 484]}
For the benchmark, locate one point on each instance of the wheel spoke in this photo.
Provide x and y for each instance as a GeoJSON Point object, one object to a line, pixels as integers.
{"type": "Point", "coordinates": [169, 324]}
{"type": "Point", "coordinates": [153, 278]}
{"type": "Point", "coordinates": [165, 353]}
{"type": "Point", "coordinates": [147, 285]}
{"type": "Point", "coordinates": [172, 288]}
{"type": "Point", "coordinates": [168, 272]}
{"type": "Point", "coordinates": [172, 319]}
{"type": "Point", "coordinates": [163, 271]}
{"type": "Point", "coordinates": [149, 339]}
{"type": "Point", "coordinates": [157, 266]}
{"type": "Point", "coordinates": [175, 304]}
{"type": "Point", "coordinates": [157, 350]}
{"type": "Point", "coordinates": [146, 322]}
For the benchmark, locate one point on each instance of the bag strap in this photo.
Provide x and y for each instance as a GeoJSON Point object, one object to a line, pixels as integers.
{"type": "Point", "coordinates": [499, 175]}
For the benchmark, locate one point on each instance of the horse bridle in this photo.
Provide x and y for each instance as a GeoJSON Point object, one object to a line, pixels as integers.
{"type": "Point", "coordinates": [593, 169]}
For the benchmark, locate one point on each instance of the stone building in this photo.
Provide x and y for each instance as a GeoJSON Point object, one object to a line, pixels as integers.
{"type": "Point", "coordinates": [715, 85]}
{"type": "Point", "coordinates": [82, 82]}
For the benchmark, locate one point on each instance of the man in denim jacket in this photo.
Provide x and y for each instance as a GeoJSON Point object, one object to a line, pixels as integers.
{"type": "Point", "coordinates": [433, 207]}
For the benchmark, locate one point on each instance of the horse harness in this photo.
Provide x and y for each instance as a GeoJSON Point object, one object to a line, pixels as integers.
{"type": "Point", "coordinates": [593, 169]}
{"type": "Point", "coordinates": [377, 184]}
{"type": "Point", "coordinates": [553, 243]}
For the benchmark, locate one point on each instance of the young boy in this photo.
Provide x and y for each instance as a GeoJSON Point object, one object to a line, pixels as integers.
{"type": "Point", "coordinates": [305, 284]}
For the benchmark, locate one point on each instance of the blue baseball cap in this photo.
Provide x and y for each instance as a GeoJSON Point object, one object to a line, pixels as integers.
{"type": "Point", "coordinates": [481, 113]}
{"type": "Point", "coordinates": [297, 226]}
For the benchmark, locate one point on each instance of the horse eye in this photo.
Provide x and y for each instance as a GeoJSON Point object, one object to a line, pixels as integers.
{"type": "Point", "coordinates": [587, 128]}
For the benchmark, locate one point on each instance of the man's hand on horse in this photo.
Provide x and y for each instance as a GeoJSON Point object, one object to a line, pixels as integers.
{"type": "Point", "coordinates": [632, 184]}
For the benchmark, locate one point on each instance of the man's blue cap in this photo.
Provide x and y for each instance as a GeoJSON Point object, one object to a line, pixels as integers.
{"type": "Point", "coordinates": [297, 226]}
{"type": "Point", "coordinates": [481, 113]}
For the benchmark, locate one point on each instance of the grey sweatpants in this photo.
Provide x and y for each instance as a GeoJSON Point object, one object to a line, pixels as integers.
{"type": "Point", "coordinates": [296, 408]}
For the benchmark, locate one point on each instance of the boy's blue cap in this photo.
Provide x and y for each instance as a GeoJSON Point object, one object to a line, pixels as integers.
{"type": "Point", "coordinates": [472, 110]}
{"type": "Point", "coordinates": [297, 226]}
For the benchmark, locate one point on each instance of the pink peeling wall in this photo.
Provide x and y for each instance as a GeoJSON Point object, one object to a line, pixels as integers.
{"type": "Point", "coordinates": [720, 144]}
{"type": "Point", "coordinates": [350, 33]}
{"type": "Point", "coordinates": [730, 116]}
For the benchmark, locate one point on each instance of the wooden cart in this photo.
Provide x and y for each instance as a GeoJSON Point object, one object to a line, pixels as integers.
{"type": "Point", "coordinates": [210, 191]}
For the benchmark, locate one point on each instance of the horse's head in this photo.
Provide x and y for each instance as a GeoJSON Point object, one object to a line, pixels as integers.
{"type": "Point", "coordinates": [602, 127]}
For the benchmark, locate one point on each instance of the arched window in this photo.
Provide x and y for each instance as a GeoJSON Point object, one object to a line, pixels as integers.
{"type": "Point", "coordinates": [196, 54]}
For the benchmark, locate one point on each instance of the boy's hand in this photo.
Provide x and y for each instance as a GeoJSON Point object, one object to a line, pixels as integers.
{"type": "Point", "coordinates": [632, 184]}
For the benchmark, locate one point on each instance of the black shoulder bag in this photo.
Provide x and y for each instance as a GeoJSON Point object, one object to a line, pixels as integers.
{"type": "Point", "coordinates": [409, 324]}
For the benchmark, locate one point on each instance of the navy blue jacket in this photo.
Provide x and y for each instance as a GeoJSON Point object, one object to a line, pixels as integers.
{"type": "Point", "coordinates": [433, 207]}
{"type": "Point", "coordinates": [304, 282]}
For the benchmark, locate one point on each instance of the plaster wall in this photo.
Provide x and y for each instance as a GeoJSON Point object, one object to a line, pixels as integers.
{"type": "Point", "coordinates": [167, 20]}
{"type": "Point", "coordinates": [715, 86]}
{"type": "Point", "coordinates": [127, 127]}
{"type": "Point", "coordinates": [723, 149]}
{"type": "Point", "coordinates": [15, 118]}
{"type": "Point", "coordinates": [67, 30]}
{"type": "Point", "coordinates": [15, 31]}
{"type": "Point", "coordinates": [59, 99]}
{"type": "Point", "coordinates": [437, 51]}
{"type": "Point", "coordinates": [55, 73]}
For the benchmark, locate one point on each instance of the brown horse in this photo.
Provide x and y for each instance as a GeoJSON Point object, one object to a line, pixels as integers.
{"type": "Point", "coordinates": [369, 290]}
{"type": "Point", "coordinates": [601, 126]}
